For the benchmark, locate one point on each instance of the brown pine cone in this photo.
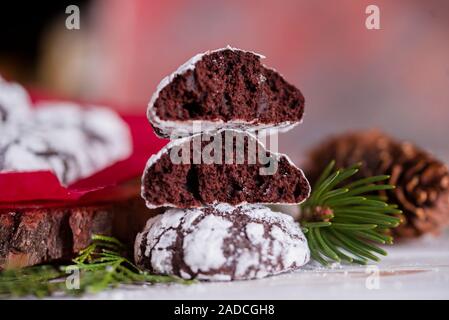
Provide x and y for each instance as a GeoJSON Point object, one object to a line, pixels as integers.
{"type": "Point", "coordinates": [422, 181]}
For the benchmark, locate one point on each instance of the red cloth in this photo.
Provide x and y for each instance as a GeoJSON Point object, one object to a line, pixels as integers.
{"type": "Point", "coordinates": [34, 188]}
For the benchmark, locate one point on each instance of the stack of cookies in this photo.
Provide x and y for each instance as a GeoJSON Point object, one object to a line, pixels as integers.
{"type": "Point", "coordinates": [216, 176]}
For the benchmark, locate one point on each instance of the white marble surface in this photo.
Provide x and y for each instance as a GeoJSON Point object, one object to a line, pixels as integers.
{"type": "Point", "coordinates": [413, 270]}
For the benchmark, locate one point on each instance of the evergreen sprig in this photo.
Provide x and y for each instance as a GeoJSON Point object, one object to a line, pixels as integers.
{"type": "Point", "coordinates": [344, 221]}
{"type": "Point", "coordinates": [103, 264]}
{"type": "Point", "coordinates": [39, 281]}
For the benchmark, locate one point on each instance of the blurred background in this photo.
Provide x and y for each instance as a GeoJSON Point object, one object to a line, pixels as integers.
{"type": "Point", "coordinates": [396, 78]}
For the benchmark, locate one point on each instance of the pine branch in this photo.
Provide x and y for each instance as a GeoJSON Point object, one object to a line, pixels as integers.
{"type": "Point", "coordinates": [102, 265]}
{"type": "Point", "coordinates": [39, 281]}
{"type": "Point", "coordinates": [344, 221]}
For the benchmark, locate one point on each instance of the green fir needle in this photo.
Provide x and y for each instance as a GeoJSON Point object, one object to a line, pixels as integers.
{"type": "Point", "coordinates": [102, 265]}
{"type": "Point", "coordinates": [344, 222]}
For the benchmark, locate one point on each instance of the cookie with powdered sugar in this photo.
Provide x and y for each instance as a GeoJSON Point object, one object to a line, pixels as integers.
{"type": "Point", "coordinates": [104, 134]}
{"type": "Point", "coordinates": [62, 137]}
{"type": "Point", "coordinates": [96, 139]}
{"type": "Point", "coordinates": [15, 104]}
{"type": "Point", "coordinates": [229, 166]}
{"type": "Point", "coordinates": [225, 88]}
{"type": "Point", "coordinates": [221, 243]}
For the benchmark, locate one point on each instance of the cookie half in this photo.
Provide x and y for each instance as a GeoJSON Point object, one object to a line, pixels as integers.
{"type": "Point", "coordinates": [221, 243]}
{"type": "Point", "coordinates": [225, 88]}
{"type": "Point", "coordinates": [230, 166]}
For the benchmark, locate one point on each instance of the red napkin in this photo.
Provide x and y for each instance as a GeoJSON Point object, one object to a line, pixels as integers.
{"type": "Point", "coordinates": [35, 188]}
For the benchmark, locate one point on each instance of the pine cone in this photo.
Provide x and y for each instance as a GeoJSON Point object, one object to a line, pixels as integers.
{"type": "Point", "coordinates": [422, 181]}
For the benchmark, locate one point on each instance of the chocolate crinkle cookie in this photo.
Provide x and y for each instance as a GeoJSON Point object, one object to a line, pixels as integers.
{"type": "Point", "coordinates": [225, 88]}
{"type": "Point", "coordinates": [72, 141]}
{"type": "Point", "coordinates": [230, 166]}
{"type": "Point", "coordinates": [221, 243]}
{"type": "Point", "coordinates": [15, 103]}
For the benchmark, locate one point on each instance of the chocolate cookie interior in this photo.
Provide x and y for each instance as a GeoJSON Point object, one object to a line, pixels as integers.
{"type": "Point", "coordinates": [188, 184]}
{"type": "Point", "coordinates": [230, 85]}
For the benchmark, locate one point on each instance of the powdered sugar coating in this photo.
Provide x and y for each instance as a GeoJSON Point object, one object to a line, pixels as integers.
{"type": "Point", "coordinates": [61, 137]}
{"type": "Point", "coordinates": [173, 129]}
{"type": "Point", "coordinates": [106, 137]}
{"type": "Point", "coordinates": [15, 103]}
{"type": "Point", "coordinates": [222, 243]}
